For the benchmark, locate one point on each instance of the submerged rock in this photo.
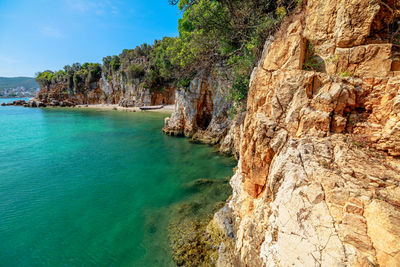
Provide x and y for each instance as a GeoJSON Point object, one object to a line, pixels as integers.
{"type": "Point", "coordinates": [191, 241]}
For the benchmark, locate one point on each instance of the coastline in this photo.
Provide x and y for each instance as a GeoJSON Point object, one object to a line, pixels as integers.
{"type": "Point", "coordinates": [166, 109]}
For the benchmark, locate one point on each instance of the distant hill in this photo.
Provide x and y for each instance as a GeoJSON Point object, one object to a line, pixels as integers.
{"type": "Point", "coordinates": [14, 82]}
{"type": "Point", "coordinates": [18, 87]}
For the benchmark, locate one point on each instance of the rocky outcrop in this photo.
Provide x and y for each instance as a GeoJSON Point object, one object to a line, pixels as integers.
{"type": "Point", "coordinates": [116, 90]}
{"type": "Point", "coordinates": [230, 145]}
{"type": "Point", "coordinates": [15, 103]}
{"type": "Point", "coordinates": [35, 103]}
{"type": "Point", "coordinates": [318, 179]}
{"type": "Point", "coordinates": [133, 94]}
{"type": "Point", "coordinates": [203, 112]}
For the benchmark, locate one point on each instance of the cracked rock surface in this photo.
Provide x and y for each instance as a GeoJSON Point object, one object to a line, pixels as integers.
{"type": "Point", "coordinates": [318, 180]}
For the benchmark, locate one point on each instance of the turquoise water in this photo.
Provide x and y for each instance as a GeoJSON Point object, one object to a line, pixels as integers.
{"type": "Point", "coordinates": [92, 188]}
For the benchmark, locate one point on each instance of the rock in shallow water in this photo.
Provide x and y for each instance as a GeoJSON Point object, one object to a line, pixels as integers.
{"type": "Point", "coordinates": [192, 240]}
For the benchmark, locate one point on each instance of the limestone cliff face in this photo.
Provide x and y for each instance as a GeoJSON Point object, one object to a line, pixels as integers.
{"type": "Point", "coordinates": [318, 181]}
{"type": "Point", "coordinates": [132, 94]}
{"type": "Point", "coordinates": [116, 90]}
{"type": "Point", "coordinates": [202, 112]}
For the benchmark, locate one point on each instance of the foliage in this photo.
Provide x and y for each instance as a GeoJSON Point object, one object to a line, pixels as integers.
{"type": "Point", "coordinates": [312, 61]}
{"type": "Point", "coordinates": [230, 31]}
{"type": "Point", "coordinates": [44, 78]}
{"type": "Point", "coordinates": [115, 63]}
{"type": "Point", "coordinates": [135, 71]}
{"type": "Point", "coordinates": [184, 82]}
{"type": "Point", "coordinates": [138, 55]}
{"type": "Point", "coordinates": [345, 74]}
{"type": "Point", "coordinates": [239, 88]}
{"type": "Point", "coordinates": [94, 72]}
{"type": "Point", "coordinates": [111, 64]}
{"type": "Point", "coordinates": [161, 58]}
{"type": "Point", "coordinates": [153, 80]}
{"type": "Point", "coordinates": [76, 76]}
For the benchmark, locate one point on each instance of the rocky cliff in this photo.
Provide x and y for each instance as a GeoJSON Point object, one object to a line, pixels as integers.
{"type": "Point", "coordinates": [203, 112]}
{"type": "Point", "coordinates": [112, 90]}
{"type": "Point", "coordinates": [318, 179]}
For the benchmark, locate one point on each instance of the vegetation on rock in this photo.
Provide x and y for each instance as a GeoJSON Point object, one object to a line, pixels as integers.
{"type": "Point", "coordinates": [226, 32]}
{"type": "Point", "coordinates": [77, 77]}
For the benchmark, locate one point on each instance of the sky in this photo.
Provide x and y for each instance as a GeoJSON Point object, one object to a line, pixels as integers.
{"type": "Point", "coordinates": [37, 35]}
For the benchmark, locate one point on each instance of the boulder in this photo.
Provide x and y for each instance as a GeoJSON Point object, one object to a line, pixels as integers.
{"type": "Point", "coordinates": [127, 103]}
{"type": "Point", "coordinates": [18, 102]}
{"type": "Point", "coordinates": [54, 103]}
{"type": "Point", "coordinates": [35, 103]}
{"type": "Point", "coordinates": [66, 104]}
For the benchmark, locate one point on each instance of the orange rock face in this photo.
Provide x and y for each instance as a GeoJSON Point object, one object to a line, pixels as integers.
{"type": "Point", "coordinates": [319, 169]}
{"type": "Point", "coordinates": [319, 103]}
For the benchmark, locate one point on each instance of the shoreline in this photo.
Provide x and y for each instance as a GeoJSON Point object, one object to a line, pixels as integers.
{"type": "Point", "coordinates": [166, 109]}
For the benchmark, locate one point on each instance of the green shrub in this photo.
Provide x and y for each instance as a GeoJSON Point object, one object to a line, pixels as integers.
{"type": "Point", "coordinates": [79, 80]}
{"type": "Point", "coordinates": [153, 80]}
{"type": "Point", "coordinates": [44, 78]}
{"type": "Point", "coordinates": [115, 63]}
{"type": "Point", "coordinates": [135, 71]}
{"type": "Point", "coordinates": [238, 93]}
{"type": "Point", "coordinates": [345, 74]}
{"type": "Point", "coordinates": [312, 61]}
{"type": "Point", "coordinates": [184, 82]}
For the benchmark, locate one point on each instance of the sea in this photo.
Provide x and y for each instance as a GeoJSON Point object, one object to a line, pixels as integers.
{"type": "Point", "coordinates": [86, 187]}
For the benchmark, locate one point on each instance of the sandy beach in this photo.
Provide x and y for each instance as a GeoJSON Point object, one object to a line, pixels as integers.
{"type": "Point", "coordinates": [165, 109]}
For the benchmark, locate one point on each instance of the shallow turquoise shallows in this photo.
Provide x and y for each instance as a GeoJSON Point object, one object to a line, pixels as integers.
{"type": "Point", "coordinates": [79, 187]}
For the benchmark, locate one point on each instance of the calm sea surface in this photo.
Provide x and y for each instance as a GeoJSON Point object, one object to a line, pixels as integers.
{"type": "Point", "coordinates": [93, 188]}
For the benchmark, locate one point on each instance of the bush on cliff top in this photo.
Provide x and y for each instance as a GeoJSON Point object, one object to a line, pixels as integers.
{"type": "Point", "coordinates": [135, 71]}
{"type": "Point", "coordinates": [44, 78]}
{"type": "Point", "coordinates": [76, 76]}
{"type": "Point", "coordinates": [228, 31]}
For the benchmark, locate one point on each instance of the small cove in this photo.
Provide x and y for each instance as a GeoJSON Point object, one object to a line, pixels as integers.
{"type": "Point", "coordinates": [95, 188]}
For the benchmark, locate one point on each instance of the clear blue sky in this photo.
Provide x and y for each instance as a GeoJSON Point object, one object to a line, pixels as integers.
{"type": "Point", "coordinates": [36, 35]}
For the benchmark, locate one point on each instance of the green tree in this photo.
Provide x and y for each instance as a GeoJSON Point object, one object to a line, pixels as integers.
{"type": "Point", "coordinates": [232, 32]}
{"type": "Point", "coordinates": [44, 78]}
